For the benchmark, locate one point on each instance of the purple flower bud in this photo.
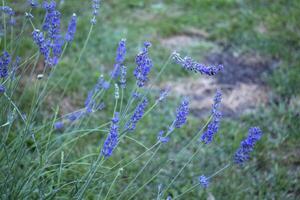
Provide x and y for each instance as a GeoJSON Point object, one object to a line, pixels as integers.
{"type": "Point", "coordinates": [243, 153]}
{"type": "Point", "coordinates": [189, 64]}
{"type": "Point", "coordinates": [144, 65]}
{"type": "Point", "coordinates": [4, 62]}
{"type": "Point", "coordinates": [203, 180]}
{"type": "Point", "coordinates": [182, 113]}
{"type": "Point", "coordinates": [58, 125]}
{"type": "Point", "coordinates": [71, 28]}
{"type": "Point", "coordinates": [213, 126]}
{"type": "Point", "coordinates": [111, 141]}
{"type": "Point", "coordinates": [2, 89]}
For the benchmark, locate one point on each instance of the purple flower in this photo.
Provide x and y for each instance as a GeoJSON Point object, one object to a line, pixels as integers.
{"type": "Point", "coordinates": [182, 113]}
{"type": "Point", "coordinates": [203, 180]}
{"type": "Point", "coordinates": [2, 89]}
{"type": "Point", "coordinates": [246, 147]}
{"type": "Point", "coordinates": [123, 77]}
{"type": "Point", "coordinates": [95, 6]}
{"type": "Point", "coordinates": [144, 65]}
{"type": "Point", "coordinates": [101, 84]}
{"type": "Point", "coordinates": [120, 57]}
{"type": "Point", "coordinates": [111, 141]}
{"type": "Point", "coordinates": [52, 19]}
{"type": "Point", "coordinates": [7, 10]}
{"type": "Point", "coordinates": [161, 138]}
{"type": "Point", "coordinates": [189, 64]}
{"type": "Point", "coordinates": [43, 44]}
{"type": "Point", "coordinates": [76, 115]}
{"type": "Point", "coordinates": [213, 126]}
{"type": "Point", "coordinates": [4, 62]}
{"type": "Point", "coordinates": [136, 95]}
{"type": "Point", "coordinates": [137, 115]}
{"type": "Point", "coordinates": [33, 3]}
{"type": "Point", "coordinates": [58, 125]}
{"type": "Point", "coordinates": [71, 28]}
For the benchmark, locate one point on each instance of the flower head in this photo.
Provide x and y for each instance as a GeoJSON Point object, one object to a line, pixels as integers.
{"type": "Point", "coordinates": [111, 141]}
{"type": "Point", "coordinates": [182, 113]}
{"type": "Point", "coordinates": [4, 62]}
{"type": "Point", "coordinates": [243, 153]}
{"type": "Point", "coordinates": [120, 57]}
{"type": "Point", "coordinates": [43, 44]}
{"type": "Point", "coordinates": [33, 3]}
{"type": "Point", "coordinates": [144, 65]}
{"type": "Point", "coordinates": [58, 125]}
{"type": "Point", "coordinates": [161, 138]}
{"type": "Point", "coordinates": [7, 10]}
{"type": "Point", "coordinates": [213, 126]}
{"type": "Point", "coordinates": [137, 115]}
{"type": "Point", "coordinates": [203, 180]}
{"type": "Point", "coordinates": [95, 6]}
{"type": "Point", "coordinates": [189, 64]}
{"type": "Point", "coordinates": [71, 28]}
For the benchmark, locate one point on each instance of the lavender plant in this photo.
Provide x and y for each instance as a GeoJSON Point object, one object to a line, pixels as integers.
{"type": "Point", "coordinates": [41, 156]}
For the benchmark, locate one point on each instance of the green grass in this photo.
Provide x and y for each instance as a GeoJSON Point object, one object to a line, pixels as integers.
{"type": "Point", "coordinates": [266, 27]}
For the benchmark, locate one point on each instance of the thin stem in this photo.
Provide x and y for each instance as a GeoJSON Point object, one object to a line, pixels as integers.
{"type": "Point", "coordinates": [190, 189]}
{"type": "Point", "coordinates": [138, 174]}
{"type": "Point", "coordinates": [111, 185]}
{"type": "Point", "coordinates": [180, 171]}
{"type": "Point", "coordinates": [151, 179]}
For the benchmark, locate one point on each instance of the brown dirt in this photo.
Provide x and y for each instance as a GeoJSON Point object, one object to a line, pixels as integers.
{"type": "Point", "coordinates": [241, 81]}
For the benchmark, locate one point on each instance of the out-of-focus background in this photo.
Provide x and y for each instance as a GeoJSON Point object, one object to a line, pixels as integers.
{"type": "Point", "coordinates": [257, 41]}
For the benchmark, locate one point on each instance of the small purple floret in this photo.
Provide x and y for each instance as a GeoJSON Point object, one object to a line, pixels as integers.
{"type": "Point", "coordinates": [203, 180]}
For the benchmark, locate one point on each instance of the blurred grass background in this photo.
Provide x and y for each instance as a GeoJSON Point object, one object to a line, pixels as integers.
{"type": "Point", "coordinates": [264, 27]}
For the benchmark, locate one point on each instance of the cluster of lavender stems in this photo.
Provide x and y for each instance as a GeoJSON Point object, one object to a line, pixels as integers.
{"type": "Point", "coordinates": [50, 42]}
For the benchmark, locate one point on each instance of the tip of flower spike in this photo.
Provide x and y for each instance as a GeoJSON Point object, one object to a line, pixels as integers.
{"type": "Point", "coordinates": [74, 15]}
{"type": "Point", "coordinates": [203, 180]}
{"type": "Point", "coordinates": [147, 44]}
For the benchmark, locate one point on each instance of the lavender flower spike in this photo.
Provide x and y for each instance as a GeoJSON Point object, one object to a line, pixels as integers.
{"type": "Point", "coordinates": [95, 6]}
{"type": "Point", "coordinates": [123, 77]}
{"type": "Point", "coordinates": [43, 44]}
{"type": "Point", "coordinates": [243, 153]}
{"type": "Point", "coordinates": [144, 65]}
{"type": "Point", "coordinates": [203, 180]}
{"type": "Point", "coordinates": [189, 64]}
{"type": "Point", "coordinates": [213, 126]}
{"type": "Point", "coordinates": [182, 113]}
{"type": "Point", "coordinates": [71, 28]}
{"type": "Point", "coordinates": [111, 141]}
{"type": "Point", "coordinates": [120, 57]}
{"type": "Point", "coordinates": [137, 115]}
{"type": "Point", "coordinates": [4, 62]}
